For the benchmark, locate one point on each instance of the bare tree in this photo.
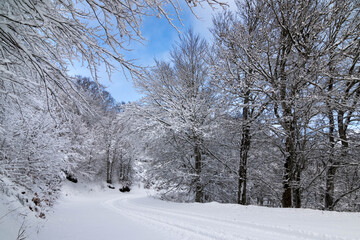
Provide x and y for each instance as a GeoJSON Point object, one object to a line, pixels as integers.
{"type": "Point", "coordinates": [182, 102]}
{"type": "Point", "coordinates": [341, 87]}
{"type": "Point", "coordinates": [234, 38]}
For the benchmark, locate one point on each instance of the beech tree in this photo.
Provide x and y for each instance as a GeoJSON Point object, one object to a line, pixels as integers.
{"type": "Point", "coordinates": [238, 82]}
{"type": "Point", "coordinates": [178, 97]}
{"type": "Point", "coordinates": [341, 89]}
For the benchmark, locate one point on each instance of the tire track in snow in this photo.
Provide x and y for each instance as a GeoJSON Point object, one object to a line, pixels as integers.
{"type": "Point", "coordinates": [293, 233]}
{"type": "Point", "coordinates": [176, 229]}
{"type": "Point", "coordinates": [199, 226]}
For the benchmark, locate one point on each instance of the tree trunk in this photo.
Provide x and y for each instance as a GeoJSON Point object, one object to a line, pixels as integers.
{"type": "Point", "coordinates": [112, 165]}
{"type": "Point", "coordinates": [330, 186]}
{"type": "Point", "coordinates": [286, 196]}
{"type": "Point", "coordinates": [244, 150]}
{"type": "Point", "coordinates": [297, 190]}
{"type": "Point", "coordinates": [287, 120]}
{"type": "Point", "coordinates": [108, 166]}
{"type": "Point", "coordinates": [289, 162]}
{"type": "Point", "coordinates": [108, 173]}
{"type": "Point", "coordinates": [332, 166]}
{"type": "Point", "coordinates": [198, 185]}
{"type": "Point", "coordinates": [121, 168]}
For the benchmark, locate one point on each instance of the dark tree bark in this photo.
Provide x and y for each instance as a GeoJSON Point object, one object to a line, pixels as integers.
{"type": "Point", "coordinates": [244, 150]}
{"type": "Point", "coordinates": [330, 186]}
{"type": "Point", "coordinates": [287, 120]}
{"type": "Point", "coordinates": [108, 166]}
{"type": "Point", "coordinates": [332, 166]}
{"type": "Point", "coordinates": [290, 159]}
{"type": "Point", "coordinates": [297, 189]}
{"type": "Point", "coordinates": [198, 185]}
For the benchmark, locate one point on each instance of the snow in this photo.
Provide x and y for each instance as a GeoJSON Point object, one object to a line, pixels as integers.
{"type": "Point", "coordinates": [86, 216]}
{"type": "Point", "coordinates": [109, 214]}
{"type": "Point", "coordinates": [14, 217]}
{"type": "Point", "coordinates": [9, 221]}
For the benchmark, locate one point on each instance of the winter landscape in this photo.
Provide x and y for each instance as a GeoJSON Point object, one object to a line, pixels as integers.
{"type": "Point", "coordinates": [195, 119]}
{"type": "Point", "coordinates": [91, 214]}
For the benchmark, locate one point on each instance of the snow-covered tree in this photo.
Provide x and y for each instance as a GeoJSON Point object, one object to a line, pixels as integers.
{"type": "Point", "coordinates": [341, 91]}
{"type": "Point", "coordinates": [240, 86]}
{"type": "Point", "coordinates": [43, 37]}
{"type": "Point", "coordinates": [35, 147]}
{"type": "Point", "coordinates": [180, 100]}
{"type": "Point", "coordinates": [296, 63]}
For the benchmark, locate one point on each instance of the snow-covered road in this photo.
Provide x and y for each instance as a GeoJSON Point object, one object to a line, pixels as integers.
{"type": "Point", "coordinates": [131, 216]}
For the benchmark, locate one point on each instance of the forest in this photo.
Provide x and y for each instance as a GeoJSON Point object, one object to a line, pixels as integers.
{"type": "Point", "coordinates": [267, 112]}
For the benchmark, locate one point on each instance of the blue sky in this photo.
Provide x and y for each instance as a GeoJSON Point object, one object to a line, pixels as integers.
{"type": "Point", "coordinates": [160, 37]}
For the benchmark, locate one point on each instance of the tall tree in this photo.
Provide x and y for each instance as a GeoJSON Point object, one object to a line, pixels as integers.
{"type": "Point", "coordinates": [275, 43]}
{"type": "Point", "coordinates": [238, 82]}
{"type": "Point", "coordinates": [341, 53]}
{"type": "Point", "coordinates": [178, 97]}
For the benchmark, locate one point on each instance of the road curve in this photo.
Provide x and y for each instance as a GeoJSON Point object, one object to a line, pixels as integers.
{"type": "Point", "coordinates": [108, 214]}
{"type": "Point", "coordinates": [187, 223]}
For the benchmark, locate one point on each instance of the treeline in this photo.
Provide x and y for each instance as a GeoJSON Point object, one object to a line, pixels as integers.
{"type": "Point", "coordinates": [44, 142]}
{"type": "Point", "coordinates": [267, 114]}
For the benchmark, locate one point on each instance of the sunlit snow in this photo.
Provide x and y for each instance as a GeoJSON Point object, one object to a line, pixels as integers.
{"type": "Point", "coordinates": [109, 214]}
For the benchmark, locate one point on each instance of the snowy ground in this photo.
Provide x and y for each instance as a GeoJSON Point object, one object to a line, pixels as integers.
{"type": "Point", "coordinates": [108, 214]}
